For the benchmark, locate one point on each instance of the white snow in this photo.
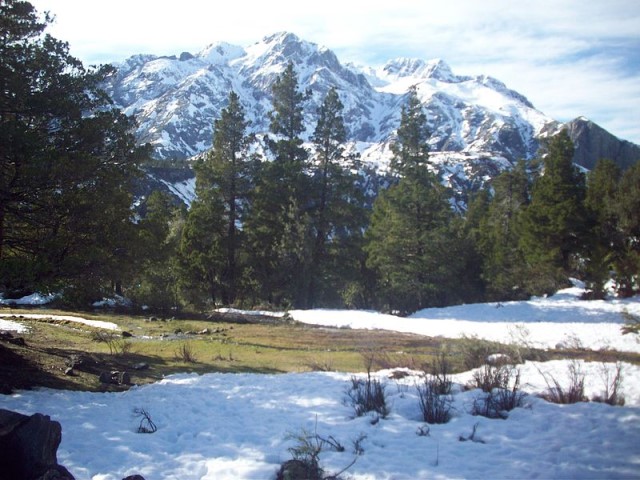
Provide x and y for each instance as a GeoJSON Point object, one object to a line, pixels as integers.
{"type": "Point", "coordinates": [11, 326]}
{"type": "Point", "coordinates": [14, 321]}
{"type": "Point", "coordinates": [560, 320]}
{"type": "Point", "coordinates": [241, 426]}
{"type": "Point", "coordinates": [33, 299]}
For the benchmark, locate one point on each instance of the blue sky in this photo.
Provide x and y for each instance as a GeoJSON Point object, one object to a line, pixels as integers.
{"type": "Point", "coordinates": [570, 58]}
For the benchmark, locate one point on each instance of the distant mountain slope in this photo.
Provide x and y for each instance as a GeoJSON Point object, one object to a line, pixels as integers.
{"type": "Point", "coordinates": [176, 99]}
{"type": "Point", "coordinates": [479, 126]}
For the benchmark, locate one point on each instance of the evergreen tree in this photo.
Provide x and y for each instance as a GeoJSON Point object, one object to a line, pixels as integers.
{"type": "Point", "coordinates": [503, 265]}
{"type": "Point", "coordinates": [408, 241]}
{"type": "Point", "coordinates": [223, 182]}
{"type": "Point", "coordinates": [605, 244]}
{"type": "Point", "coordinates": [202, 253]}
{"type": "Point", "coordinates": [553, 225]}
{"type": "Point", "coordinates": [280, 198]}
{"type": "Point", "coordinates": [156, 283]}
{"type": "Point", "coordinates": [627, 266]}
{"type": "Point", "coordinates": [338, 212]}
{"type": "Point", "coordinates": [66, 162]}
{"type": "Point", "coordinates": [410, 150]}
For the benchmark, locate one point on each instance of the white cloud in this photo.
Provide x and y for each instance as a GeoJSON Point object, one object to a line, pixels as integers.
{"type": "Point", "coordinates": [569, 57]}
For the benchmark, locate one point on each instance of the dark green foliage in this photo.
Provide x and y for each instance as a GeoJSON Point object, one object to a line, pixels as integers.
{"type": "Point", "coordinates": [411, 151]}
{"type": "Point", "coordinates": [628, 204]}
{"type": "Point", "coordinates": [66, 163]}
{"type": "Point", "coordinates": [497, 235]}
{"type": "Point", "coordinates": [202, 252]}
{"type": "Point", "coordinates": [605, 244]}
{"type": "Point", "coordinates": [337, 216]}
{"type": "Point", "coordinates": [156, 283]}
{"type": "Point", "coordinates": [410, 244]}
{"type": "Point", "coordinates": [278, 226]}
{"type": "Point", "coordinates": [212, 242]}
{"type": "Point", "coordinates": [553, 229]}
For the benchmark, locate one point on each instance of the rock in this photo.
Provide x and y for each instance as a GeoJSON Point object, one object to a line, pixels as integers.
{"type": "Point", "coordinates": [297, 469]}
{"type": "Point", "coordinates": [69, 372]}
{"type": "Point", "coordinates": [126, 334]}
{"type": "Point", "coordinates": [74, 360]}
{"type": "Point", "coordinates": [140, 366]}
{"type": "Point", "coordinates": [115, 377]}
{"type": "Point", "coordinates": [134, 477]}
{"type": "Point", "coordinates": [28, 447]}
{"type": "Point", "coordinates": [204, 332]}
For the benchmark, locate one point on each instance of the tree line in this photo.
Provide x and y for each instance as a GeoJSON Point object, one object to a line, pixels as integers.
{"type": "Point", "coordinates": [293, 230]}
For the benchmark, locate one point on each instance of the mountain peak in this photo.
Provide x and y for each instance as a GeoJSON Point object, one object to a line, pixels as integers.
{"type": "Point", "coordinates": [282, 38]}
{"type": "Point", "coordinates": [414, 67]}
{"type": "Point", "coordinates": [220, 53]}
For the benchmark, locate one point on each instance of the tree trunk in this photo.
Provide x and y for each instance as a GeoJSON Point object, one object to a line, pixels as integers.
{"type": "Point", "coordinates": [1, 229]}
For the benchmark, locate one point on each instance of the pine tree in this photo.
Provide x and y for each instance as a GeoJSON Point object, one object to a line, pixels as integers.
{"type": "Point", "coordinates": [156, 282]}
{"type": "Point", "coordinates": [411, 151]}
{"type": "Point", "coordinates": [281, 196]}
{"type": "Point", "coordinates": [408, 240]}
{"type": "Point", "coordinates": [628, 205]}
{"type": "Point", "coordinates": [66, 162]}
{"type": "Point", "coordinates": [223, 182]}
{"type": "Point", "coordinates": [553, 225]}
{"type": "Point", "coordinates": [202, 254]}
{"type": "Point", "coordinates": [498, 236]}
{"type": "Point", "coordinates": [338, 212]}
{"type": "Point", "coordinates": [605, 244]}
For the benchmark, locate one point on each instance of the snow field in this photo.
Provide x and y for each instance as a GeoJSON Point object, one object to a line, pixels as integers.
{"type": "Point", "coordinates": [239, 426]}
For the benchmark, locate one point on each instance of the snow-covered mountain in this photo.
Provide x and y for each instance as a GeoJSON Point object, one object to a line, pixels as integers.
{"type": "Point", "coordinates": [176, 99]}
{"type": "Point", "coordinates": [479, 126]}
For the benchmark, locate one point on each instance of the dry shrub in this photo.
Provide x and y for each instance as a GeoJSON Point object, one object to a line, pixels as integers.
{"type": "Point", "coordinates": [572, 393]}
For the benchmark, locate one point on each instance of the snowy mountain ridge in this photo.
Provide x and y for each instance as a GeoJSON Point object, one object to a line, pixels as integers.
{"type": "Point", "coordinates": [479, 126]}
{"type": "Point", "coordinates": [176, 99]}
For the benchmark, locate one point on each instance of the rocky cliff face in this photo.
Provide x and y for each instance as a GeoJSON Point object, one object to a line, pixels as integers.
{"type": "Point", "coordinates": [593, 143]}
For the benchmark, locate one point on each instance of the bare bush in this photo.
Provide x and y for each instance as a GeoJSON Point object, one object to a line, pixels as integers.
{"type": "Point", "coordinates": [504, 396]}
{"type": "Point", "coordinates": [573, 393]}
{"type": "Point", "coordinates": [116, 343]}
{"type": "Point", "coordinates": [435, 407]}
{"type": "Point", "coordinates": [489, 377]}
{"type": "Point", "coordinates": [146, 424]}
{"type": "Point", "coordinates": [306, 456]}
{"type": "Point", "coordinates": [367, 395]}
{"type": "Point", "coordinates": [186, 354]}
{"type": "Point", "coordinates": [612, 385]}
{"type": "Point", "coordinates": [440, 374]}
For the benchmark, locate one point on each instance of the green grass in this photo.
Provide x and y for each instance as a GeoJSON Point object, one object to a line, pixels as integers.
{"type": "Point", "coordinates": [173, 346]}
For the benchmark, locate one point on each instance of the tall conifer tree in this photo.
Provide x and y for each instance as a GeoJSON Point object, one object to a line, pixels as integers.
{"type": "Point", "coordinates": [605, 242]}
{"type": "Point", "coordinates": [503, 262]}
{"type": "Point", "coordinates": [407, 242]}
{"type": "Point", "coordinates": [338, 212]}
{"type": "Point", "coordinates": [223, 183]}
{"type": "Point", "coordinates": [554, 223]}
{"type": "Point", "coordinates": [628, 206]}
{"type": "Point", "coordinates": [279, 226]}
